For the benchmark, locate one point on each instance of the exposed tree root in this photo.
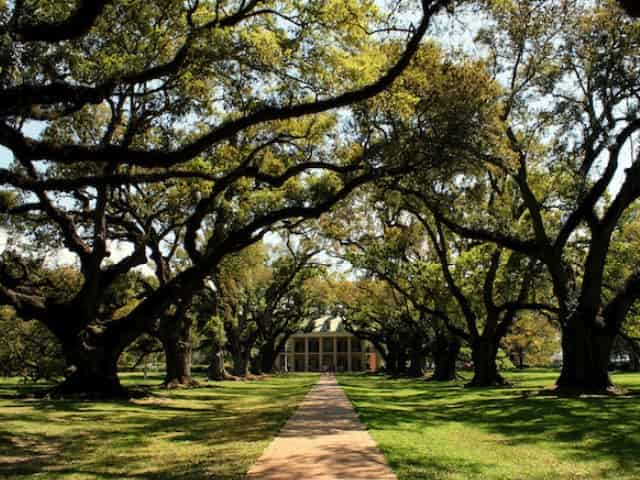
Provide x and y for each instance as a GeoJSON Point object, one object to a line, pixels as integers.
{"type": "Point", "coordinates": [185, 382]}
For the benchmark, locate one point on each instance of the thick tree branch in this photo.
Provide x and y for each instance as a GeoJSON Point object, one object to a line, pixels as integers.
{"type": "Point", "coordinates": [528, 247]}
{"type": "Point", "coordinates": [632, 7]}
{"type": "Point", "coordinates": [75, 25]}
{"type": "Point", "coordinates": [587, 204]}
{"type": "Point", "coordinates": [617, 308]}
{"type": "Point", "coordinates": [489, 281]}
{"type": "Point", "coordinates": [43, 150]}
{"type": "Point", "coordinates": [439, 243]}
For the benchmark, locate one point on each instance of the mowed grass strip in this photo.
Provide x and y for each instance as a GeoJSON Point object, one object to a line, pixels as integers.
{"type": "Point", "coordinates": [431, 430]}
{"type": "Point", "coordinates": [216, 431]}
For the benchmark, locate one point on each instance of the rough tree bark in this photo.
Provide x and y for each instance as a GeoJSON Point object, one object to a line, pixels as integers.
{"type": "Point", "coordinates": [445, 355]}
{"type": "Point", "coordinates": [391, 362]}
{"type": "Point", "coordinates": [216, 370]}
{"type": "Point", "coordinates": [267, 357]}
{"type": "Point", "coordinates": [416, 364]}
{"type": "Point", "coordinates": [518, 358]}
{"type": "Point", "coordinates": [485, 369]}
{"type": "Point", "coordinates": [94, 372]}
{"type": "Point", "coordinates": [240, 358]}
{"type": "Point", "coordinates": [92, 360]}
{"type": "Point", "coordinates": [178, 353]}
{"type": "Point", "coordinates": [586, 349]}
{"type": "Point", "coordinates": [396, 360]}
{"type": "Point", "coordinates": [175, 335]}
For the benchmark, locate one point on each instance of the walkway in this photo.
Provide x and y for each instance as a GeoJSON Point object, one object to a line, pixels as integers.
{"type": "Point", "coordinates": [323, 440]}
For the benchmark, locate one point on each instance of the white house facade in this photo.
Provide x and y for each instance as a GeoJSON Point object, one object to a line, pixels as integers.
{"type": "Point", "coordinates": [326, 346]}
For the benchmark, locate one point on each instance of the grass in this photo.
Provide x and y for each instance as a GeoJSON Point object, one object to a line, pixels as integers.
{"type": "Point", "coordinates": [215, 432]}
{"type": "Point", "coordinates": [445, 431]}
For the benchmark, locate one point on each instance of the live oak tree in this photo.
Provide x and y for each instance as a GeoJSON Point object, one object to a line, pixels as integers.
{"type": "Point", "coordinates": [596, 120]}
{"type": "Point", "coordinates": [621, 262]}
{"type": "Point", "coordinates": [27, 349]}
{"type": "Point", "coordinates": [178, 91]}
{"type": "Point", "coordinates": [210, 331]}
{"type": "Point", "coordinates": [241, 282]}
{"type": "Point", "coordinates": [160, 211]}
{"type": "Point", "coordinates": [532, 340]}
{"type": "Point", "coordinates": [449, 118]}
{"type": "Point", "coordinates": [382, 241]}
{"type": "Point", "coordinates": [489, 289]}
{"type": "Point", "coordinates": [491, 286]}
{"type": "Point", "coordinates": [262, 298]}
{"type": "Point", "coordinates": [570, 73]}
{"type": "Point", "coordinates": [291, 299]}
{"type": "Point", "coordinates": [374, 311]}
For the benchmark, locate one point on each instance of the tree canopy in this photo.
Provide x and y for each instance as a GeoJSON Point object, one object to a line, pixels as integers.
{"type": "Point", "coordinates": [160, 143]}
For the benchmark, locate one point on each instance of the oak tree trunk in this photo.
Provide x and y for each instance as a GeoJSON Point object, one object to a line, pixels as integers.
{"type": "Point", "coordinates": [216, 370]}
{"type": "Point", "coordinates": [401, 366]}
{"type": "Point", "coordinates": [267, 358]}
{"type": "Point", "coordinates": [634, 361]}
{"type": "Point", "coordinates": [485, 368]}
{"type": "Point", "coordinates": [445, 355]}
{"type": "Point", "coordinates": [178, 355]}
{"type": "Point", "coordinates": [416, 364]}
{"type": "Point", "coordinates": [586, 349]}
{"type": "Point", "coordinates": [240, 362]}
{"type": "Point", "coordinates": [175, 335]}
{"type": "Point", "coordinates": [521, 360]}
{"type": "Point", "coordinates": [391, 363]}
{"type": "Point", "coordinates": [396, 360]}
{"type": "Point", "coordinates": [93, 371]}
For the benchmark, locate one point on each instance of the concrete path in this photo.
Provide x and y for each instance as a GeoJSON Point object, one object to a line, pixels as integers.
{"type": "Point", "coordinates": [323, 440]}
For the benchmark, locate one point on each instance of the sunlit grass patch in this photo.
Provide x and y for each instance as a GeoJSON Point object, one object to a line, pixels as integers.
{"type": "Point", "coordinates": [434, 430]}
{"type": "Point", "coordinates": [215, 431]}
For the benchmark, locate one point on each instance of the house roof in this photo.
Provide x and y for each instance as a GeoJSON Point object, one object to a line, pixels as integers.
{"type": "Point", "coordinates": [327, 324]}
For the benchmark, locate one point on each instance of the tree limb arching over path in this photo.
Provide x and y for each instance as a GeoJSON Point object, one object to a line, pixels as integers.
{"type": "Point", "coordinates": [154, 135]}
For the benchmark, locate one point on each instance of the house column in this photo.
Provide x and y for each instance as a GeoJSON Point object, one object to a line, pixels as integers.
{"type": "Point", "coordinates": [306, 354]}
{"type": "Point", "coordinates": [349, 353]}
{"type": "Point", "coordinates": [286, 356]}
{"type": "Point", "coordinates": [335, 353]}
{"type": "Point", "coordinates": [320, 353]}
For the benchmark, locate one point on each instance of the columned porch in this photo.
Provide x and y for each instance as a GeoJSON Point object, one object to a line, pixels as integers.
{"type": "Point", "coordinates": [326, 352]}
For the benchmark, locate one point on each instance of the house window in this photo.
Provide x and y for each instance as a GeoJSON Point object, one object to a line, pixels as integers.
{"type": "Point", "coordinates": [327, 345]}
{"type": "Point", "coordinates": [299, 345]}
{"type": "Point", "coordinates": [314, 345]}
{"type": "Point", "coordinates": [314, 364]}
{"type": "Point", "coordinates": [342, 345]}
{"type": "Point", "coordinates": [327, 363]}
{"type": "Point", "coordinates": [356, 345]}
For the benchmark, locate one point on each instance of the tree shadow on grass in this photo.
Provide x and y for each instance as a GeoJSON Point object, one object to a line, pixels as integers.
{"type": "Point", "coordinates": [415, 465]}
{"type": "Point", "coordinates": [104, 439]}
{"type": "Point", "coordinates": [608, 426]}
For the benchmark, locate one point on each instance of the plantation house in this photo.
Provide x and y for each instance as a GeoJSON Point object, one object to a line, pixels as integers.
{"type": "Point", "coordinates": [326, 346]}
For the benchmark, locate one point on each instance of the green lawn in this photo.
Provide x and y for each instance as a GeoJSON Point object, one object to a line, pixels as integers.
{"type": "Point", "coordinates": [444, 431]}
{"type": "Point", "coordinates": [215, 432]}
